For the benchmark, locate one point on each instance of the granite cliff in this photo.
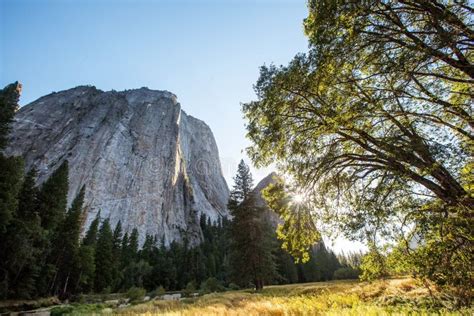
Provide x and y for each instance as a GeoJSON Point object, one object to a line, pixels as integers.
{"type": "Point", "coordinates": [143, 160]}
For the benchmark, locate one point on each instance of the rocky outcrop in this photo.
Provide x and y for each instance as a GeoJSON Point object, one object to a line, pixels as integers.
{"type": "Point", "coordinates": [143, 160]}
{"type": "Point", "coordinates": [270, 215]}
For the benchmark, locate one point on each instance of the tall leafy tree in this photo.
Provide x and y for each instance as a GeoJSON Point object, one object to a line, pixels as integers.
{"type": "Point", "coordinates": [297, 231]}
{"type": "Point", "coordinates": [376, 122]}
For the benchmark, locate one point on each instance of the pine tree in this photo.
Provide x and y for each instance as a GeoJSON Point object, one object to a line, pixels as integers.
{"type": "Point", "coordinates": [66, 245]}
{"type": "Point", "coordinates": [104, 258]}
{"type": "Point", "coordinates": [23, 242]}
{"type": "Point", "coordinates": [52, 205]}
{"type": "Point", "coordinates": [243, 184]}
{"type": "Point", "coordinates": [11, 169]}
{"type": "Point", "coordinates": [52, 198]}
{"type": "Point", "coordinates": [85, 265]}
{"type": "Point", "coordinates": [124, 250]}
{"type": "Point", "coordinates": [9, 97]}
{"type": "Point", "coordinates": [251, 243]}
{"type": "Point", "coordinates": [91, 236]}
{"type": "Point", "coordinates": [85, 269]}
{"type": "Point", "coordinates": [117, 251]}
{"type": "Point", "coordinates": [11, 173]}
{"type": "Point", "coordinates": [133, 245]}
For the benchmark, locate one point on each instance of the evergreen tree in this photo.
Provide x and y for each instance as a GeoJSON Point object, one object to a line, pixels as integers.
{"type": "Point", "coordinates": [251, 243]}
{"type": "Point", "coordinates": [52, 198]}
{"type": "Point", "coordinates": [85, 269]}
{"type": "Point", "coordinates": [85, 264]}
{"type": "Point", "coordinates": [117, 251]}
{"type": "Point", "coordinates": [243, 184]}
{"type": "Point", "coordinates": [22, 243]}
{"type": "Point", "coordinates": [91, 236]}
{"type": "Point", "coordinates": [9, 97]}
{"type": "Point", "coordinates": [11, 174]}
{"type": "Point", "coordinates": [11, 168]}
{"type": "Point", "coordinates": [66, 246]}
{"type": "Point", "coordinates": [52, 204]}
{"type": "Point", "coordinates": [133, 245]}
{"type": "Point", "coordinates": [124, 250]}
{"type": "Point", "coordinates": [104, 258]}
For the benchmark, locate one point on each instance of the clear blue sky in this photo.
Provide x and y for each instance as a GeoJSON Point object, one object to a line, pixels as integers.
{"type": "Point", "coordinates": [206, 52]}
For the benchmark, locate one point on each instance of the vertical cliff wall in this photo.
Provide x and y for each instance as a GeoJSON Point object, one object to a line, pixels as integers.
{"type": "Point", "coordinates": [143, 160]}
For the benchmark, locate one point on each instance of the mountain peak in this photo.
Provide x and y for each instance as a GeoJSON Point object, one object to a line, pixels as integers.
{"type": "Point", "coordinates": [142, 160]}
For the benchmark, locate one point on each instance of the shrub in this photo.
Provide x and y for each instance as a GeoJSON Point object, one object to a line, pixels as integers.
{"type": "Point", "coordinates": [234, 287]}
{"type": "Point", "coordinates": [190, 289]}
{"type": "Point", "coordinates": [211, 285]}
{"type": "Point", "coordinates": [158, 291]}
{"type": "Point", "coordinates": [136, 293]}
{"type": "Point", "coordinates": [373, 265]}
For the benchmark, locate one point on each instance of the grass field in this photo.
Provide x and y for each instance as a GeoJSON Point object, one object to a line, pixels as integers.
{"type": "Point", "coordinates": [387, 297]}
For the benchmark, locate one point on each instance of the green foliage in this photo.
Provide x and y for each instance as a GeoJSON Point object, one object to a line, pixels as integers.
{"type": "Point", "coordinates": [135, 273]}
{"type": "Point", "coordinates": [136, 294]}
{"type": "Point", "coordinates": [211, 285]}
{"type": "Point", "coordinates": [252, 246]}
{"type": "Point", "coordinates": [22, 244]}
{"type": "Point", "coordinates": [375, 123]}
{"type": "Point", "coordinates": [52, 199]}
{"type": "Point", "coordinates": [374, 265]}
{"type": "Point", "coordinates": [104, 259]}
{"type": "Point", "coordinates": [65, 247]}
{"type": "Point", "coordinates": [159, 291]}
{"type": "Point", "coordinates": [298, 231]}
{"type": "Point", "coordinates": [234, 287]}
{"type": "Point", "coordinates": [9, 97]}
{"type": "Point", "coordinates": [78, 309]}
{"type": "Point", "coordinates": [85, 269]}
{"type": "Point", "coordinates": [91, 236]}
{"type": "Point", "coordinates": [51, 207]}
{"type": "Point", "coordinates": [190, 289]}
{"type": "Point", "coordinates": [11, 169]}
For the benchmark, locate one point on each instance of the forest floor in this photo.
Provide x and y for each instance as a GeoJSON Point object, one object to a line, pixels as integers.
{"type": "Point", "coordinates": [403, 296]}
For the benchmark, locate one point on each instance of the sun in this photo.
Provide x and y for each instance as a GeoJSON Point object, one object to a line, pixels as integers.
{"type": "Point", "coordinates": [299, 198]}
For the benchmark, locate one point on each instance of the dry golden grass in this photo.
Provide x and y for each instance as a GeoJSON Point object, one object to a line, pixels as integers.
{"type": "Point", "coordinates": [389, 297]}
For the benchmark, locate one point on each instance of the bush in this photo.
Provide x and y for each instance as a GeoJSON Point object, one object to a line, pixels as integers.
{"type": "Point", "coordinates": [211, 285]}
{"type": "Point", "coordinates": [158, 291]}
{"type": "Point", "coordinates": [190, 289]}
{"type": "Point", "coordinates": [234, 287]}
{"type": "Point", "coordinates": [136, 294]}
{"type": "Point", "coordinates": [374, 265]}
{"type": "Point", "coordinates": [346, 273]}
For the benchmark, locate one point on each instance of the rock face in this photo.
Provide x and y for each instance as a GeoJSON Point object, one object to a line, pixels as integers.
{"type": "Point", "coordinates": [270, 215]}
{"type": "Point", "coordinates": [143, 160]}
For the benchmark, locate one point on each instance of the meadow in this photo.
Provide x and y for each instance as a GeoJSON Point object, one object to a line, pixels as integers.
{"type": "Point", "coordinates": [401, 296]}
